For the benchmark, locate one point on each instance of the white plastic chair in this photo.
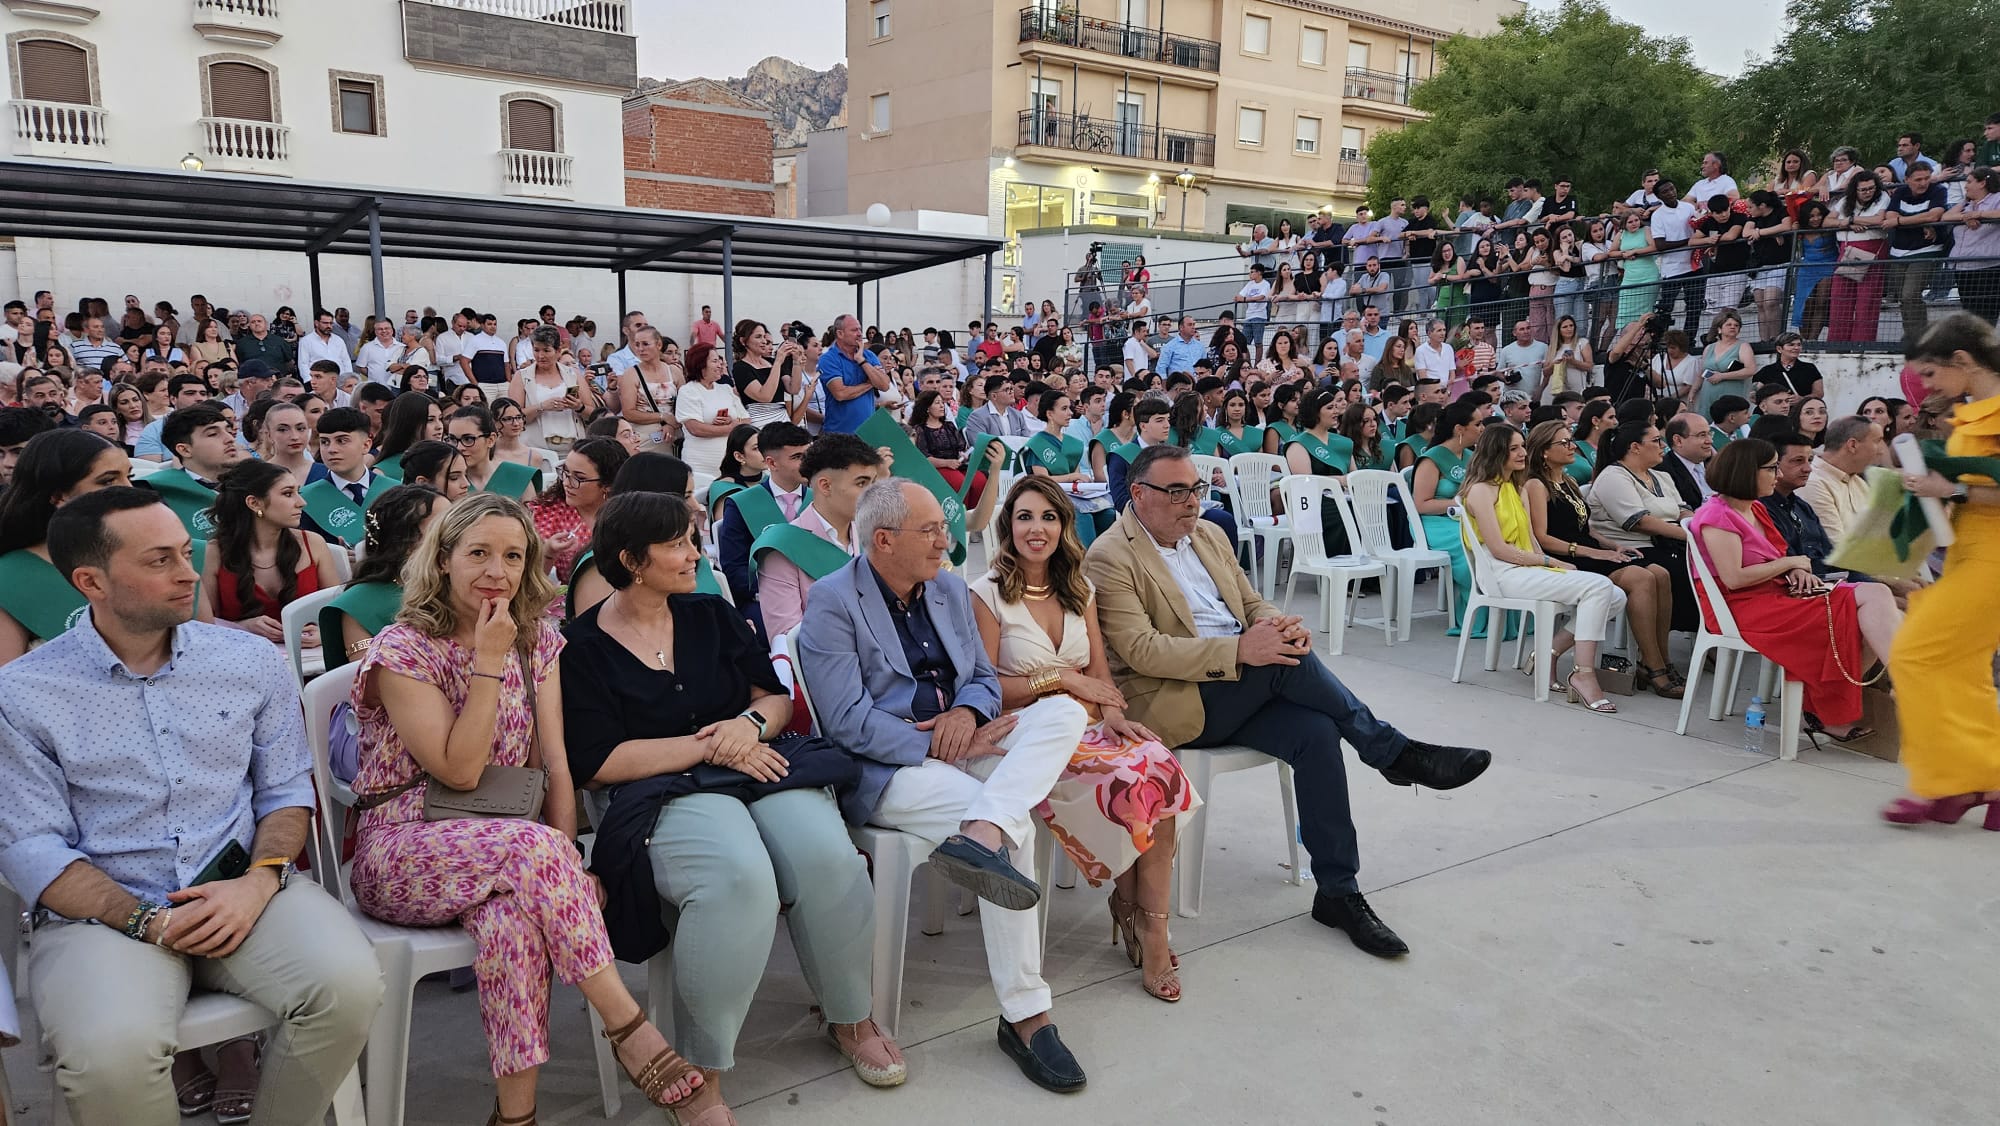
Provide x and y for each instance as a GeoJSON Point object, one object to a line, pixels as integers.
{"type": "Point", "coordinates": [142, 469]}
{"type": "Point", "coordinates": [1727, 643]}
{"type": "Point", "coordinates": [1202, 765]}
{"type": "Point", "coordinates": [294, 618]}
{"type": "Point", "coordinates": [406, 954]}
{"type": "Point", "coordinates": [1252, 479]}
{"type": "Point", "coordinates": [1303, 495]}
{"type": "Point", "coordinates": [1542, 611]}
{"type": "Point", "coordinates": [343, 567]}
{"type": "Point", "coordinates": [894, 858]}
{"type": "Point", "coordinates": [1369, 492]}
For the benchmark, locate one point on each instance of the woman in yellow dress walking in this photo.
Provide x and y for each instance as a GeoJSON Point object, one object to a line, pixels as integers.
{"type": "Point", "coordinates": [1943, 657]}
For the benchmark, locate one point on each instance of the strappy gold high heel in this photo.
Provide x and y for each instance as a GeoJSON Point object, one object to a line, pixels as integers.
{"type": "Point", "coordinates": [1125, 924]}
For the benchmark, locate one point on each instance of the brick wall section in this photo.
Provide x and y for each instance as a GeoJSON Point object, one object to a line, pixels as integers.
{"type": "Point", "coordinates": [682, 141]}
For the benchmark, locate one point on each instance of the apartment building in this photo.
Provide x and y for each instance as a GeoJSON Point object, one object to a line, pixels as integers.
{"type": "Point", "coordinates": [1193, 115]}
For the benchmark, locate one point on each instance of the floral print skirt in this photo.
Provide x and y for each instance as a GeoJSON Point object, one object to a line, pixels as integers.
{"type": "Point", "coordinates": [1104, 808]}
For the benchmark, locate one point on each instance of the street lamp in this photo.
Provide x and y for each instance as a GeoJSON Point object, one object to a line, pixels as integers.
{"type": "Point", "coordinates": [1186, 181]}
{"type": "Point", "coordinates": [191, 163]}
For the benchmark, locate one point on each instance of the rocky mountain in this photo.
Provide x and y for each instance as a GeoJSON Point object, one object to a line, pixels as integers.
{"type": "Point", "coordinates": [801, 99]}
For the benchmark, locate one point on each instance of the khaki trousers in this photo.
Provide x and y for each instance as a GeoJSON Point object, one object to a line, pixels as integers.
{"type": "Point", "coordinates": [109, 1007]}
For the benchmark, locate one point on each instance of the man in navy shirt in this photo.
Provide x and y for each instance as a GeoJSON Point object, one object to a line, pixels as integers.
{"type": "Point", "coordinates": [852, 376]}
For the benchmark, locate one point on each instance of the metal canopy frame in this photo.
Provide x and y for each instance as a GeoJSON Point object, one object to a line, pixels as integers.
{"type": "Point", "coordinates": [113, 204]}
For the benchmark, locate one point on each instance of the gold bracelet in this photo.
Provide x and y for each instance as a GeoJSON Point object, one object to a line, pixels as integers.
{"type": "Point", "coordinates": [1043, 683]}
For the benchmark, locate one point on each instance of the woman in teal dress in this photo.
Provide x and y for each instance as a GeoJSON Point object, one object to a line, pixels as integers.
{"type": "Point", "coordinates": [1640, 290]}
{"type": "Point", "coordinates": [1597, 420]}
{"type": "Point", "coordinates": [1363, 430]}
{"type": "Point", "coordinates": [1062, 459]}
{"type": "Point", "coordinates": [1725, 363]}
{"type": "Point", "coordinates": [1185, 427]}
{"type": "Point", "coordinates": [1440, 475]}
{"type": "Point", "coordinates": [1235, 434]}
{"type": "Point", "coordinates": [1282, 425]}
{"type": "Point", "coordinates": [1317, 450]}
{"type": "Point", "coordinates": [37, 602]}
{"type": "Point", "coordinates": [1420, 427]}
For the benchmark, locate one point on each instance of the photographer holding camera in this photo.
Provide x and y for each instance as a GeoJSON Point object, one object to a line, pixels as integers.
{"type": "Point", "coordinates": [1631, 356]}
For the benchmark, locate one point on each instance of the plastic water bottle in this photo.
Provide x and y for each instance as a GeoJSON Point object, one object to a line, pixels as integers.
{"type": "Point", "coordinates": [1753, 726]}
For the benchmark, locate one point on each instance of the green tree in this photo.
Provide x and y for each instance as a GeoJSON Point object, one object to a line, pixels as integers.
{"type": "Point", "coordinates": [1858, 72]}
{"type": "Point", "coordinates": [1572, 93]}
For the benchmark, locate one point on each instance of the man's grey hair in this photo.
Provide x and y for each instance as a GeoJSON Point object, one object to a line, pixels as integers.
{"type": "Point", "coordinates": [842, 318]}
{"type": "Point", "coordinates": [882, 505]}
{"type": "Point", "coordinates": [1841, 431]}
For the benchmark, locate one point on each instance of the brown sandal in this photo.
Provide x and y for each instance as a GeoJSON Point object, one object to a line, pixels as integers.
{"type": "Point", "coordinates": [527, 1119]}
{"type": "Point", "coordinates": [661, 1072]}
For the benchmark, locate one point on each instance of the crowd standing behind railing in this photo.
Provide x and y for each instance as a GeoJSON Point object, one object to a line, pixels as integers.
{"type": "Point", "coordinates": [847, 463]}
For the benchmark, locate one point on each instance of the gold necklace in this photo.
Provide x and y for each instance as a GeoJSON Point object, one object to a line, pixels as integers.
{"type": "Point", "coordinates": [1036, 593]}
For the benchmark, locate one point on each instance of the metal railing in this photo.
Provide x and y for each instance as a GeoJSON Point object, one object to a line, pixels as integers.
{"type": "Point", "coordinates": [533, 172]}
{"type": "Point", "coordinates": [1114, 37]}
{"type": "Point", "coordinates": [245, 143]}
{"type": "Point", "coordinates": [1353, 171]}
{"type": "Point", "coordinates": [1083, 133]}
{"type": "Point", "coordinates": [593, 15]}
{"type": "Point", "coordinates": [1378, 86]}
{"type": "Point", "coordinates": [1854, 306]}
{"type": "Point", "coordinates": [40, 124]}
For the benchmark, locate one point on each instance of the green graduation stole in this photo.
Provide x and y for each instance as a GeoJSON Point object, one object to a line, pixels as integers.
{"type": "Point", "coordinates": [510, 478]}
{"type": "Point", "coordinates": [1205, 441]}
{"type": "Point", "coordinates": [1286, 432]}
{"type": "Point", "coordinates": [963, 414]}
{"type": "Point", "coordinates": [374, 605]}
{"type": "Point", "coordinates": [1323, 453]}
{"type": "Point", "coordinates": [811, 554]}
{"type": "Point", "coordinates": [1058, 457]}
{"type": "Point", "coordinates": [1392, 431]}
{"type": "Point", "coordinates": [37, 596]}
{"type": "Point", "coordinates": [1229, 445]}
{"type": "Point", "coordinates": [705, 582]}
{"type": "Point", "coordinates": [1910, 529]}
{"type": "Point", "coordinates": [1722, 438]}
{"type": "Point", "coordinates": [1385, 457]}
{"type": "Point", "coordinates": [1129, 452]}
{"type": "Point", "coordinates": [332, 509]}
{"type": "Point", "coordinates": [883, 431]}
{"type": "Point", "coordinates": [391, 467]}
{"type": "Point", "coordinates": [189, 498]}
{"type": "Point", "coordinates": [759, 507]}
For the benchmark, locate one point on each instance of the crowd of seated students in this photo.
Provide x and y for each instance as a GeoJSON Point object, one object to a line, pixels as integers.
{"type": "Point", "coordinates": [1115, 623]}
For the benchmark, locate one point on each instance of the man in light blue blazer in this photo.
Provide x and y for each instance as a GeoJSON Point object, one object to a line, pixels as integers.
{"type": "Point", "coordinates": [898, 675]}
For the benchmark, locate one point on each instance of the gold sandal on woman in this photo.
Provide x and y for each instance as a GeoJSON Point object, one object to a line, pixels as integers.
{"type": "Point", "coordinates": [1125, 924]}
{"type": "Point", "coordinates": [1602, 705]}
{"type": "Point", "coordinates": [660, 1073]}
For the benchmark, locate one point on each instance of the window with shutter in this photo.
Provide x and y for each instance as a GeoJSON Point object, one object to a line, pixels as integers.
{"type": "Point", "coordinates": [53, 71]}
{"type": "Point", "coordinates": [357, 107]}
{"type": "Point", "coordinates": [531, 125]}
{"type": "Point", "coordinates": [240, 91]}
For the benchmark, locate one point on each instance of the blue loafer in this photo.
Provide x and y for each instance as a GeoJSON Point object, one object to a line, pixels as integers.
{"type": "Point", "coordinates": [985, 873]}
{"type": "Point", "coordinates": [1044, 1059]}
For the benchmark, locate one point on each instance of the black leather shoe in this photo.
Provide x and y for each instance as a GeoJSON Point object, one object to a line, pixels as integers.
{"type": "Point", "coordinates": [1044, 1059]}
{"type": "Point", "coordinates": [1440, 768]}
{"type": "Point", "coordinates": [1352, 914]}
{"type": "Point", "coordinates": [985, 873]}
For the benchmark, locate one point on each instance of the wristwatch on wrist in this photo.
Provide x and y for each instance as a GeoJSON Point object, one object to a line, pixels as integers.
{"type": "Point", "coordinates": [284, 866]}
{"type": "Point", "coordinates": [1961, 493]}
{"type": "Point", "coordinates": [756, 717]}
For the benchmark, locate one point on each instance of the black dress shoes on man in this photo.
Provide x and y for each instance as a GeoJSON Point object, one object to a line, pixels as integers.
{"type": "Point", "coordinates": [1440, 768]}
{"type": "Point", "coordinates": [1044, 1059]}
{"type": "Point", "coordinates": [1352, 914]}
{"type": "Point", "coordinates": [985, 873]}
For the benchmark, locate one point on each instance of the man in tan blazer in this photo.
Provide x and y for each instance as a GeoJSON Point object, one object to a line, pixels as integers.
{"type": "Point", "coordinates": [1204, 661]}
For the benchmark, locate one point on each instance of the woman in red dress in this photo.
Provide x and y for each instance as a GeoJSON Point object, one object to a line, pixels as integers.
{"type": "Point", "coordinates": [1782, 609]}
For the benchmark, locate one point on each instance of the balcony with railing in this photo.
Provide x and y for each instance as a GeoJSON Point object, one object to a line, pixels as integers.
{"type": "Point", "coordinates": [1113, 37]}
{"type": "Point", "coordinates": [1379, 86]}
{"type": "Point", "coordinates": [231, 144]}
{"type": "Point", "coordinates": [61, 130]}
{"type": "Point", "coordinates": [1353, 170]}
{"type": "Point", "coordinates": [243, 23]}
{"type": "Point", "coordinates": [537, 174]}
{"type": "Point", "coordinates": [592, 15]}
{"type": "Point", "coordinates": [1114, 138]}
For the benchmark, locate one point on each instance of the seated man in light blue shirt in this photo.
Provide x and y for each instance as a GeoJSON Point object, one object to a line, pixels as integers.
{"type": "Point", "coordinates": [182, 391]}
{"type": "Point", "coordinates": [155, 785]}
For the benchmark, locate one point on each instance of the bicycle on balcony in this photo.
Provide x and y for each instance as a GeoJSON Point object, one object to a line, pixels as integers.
{"type": "Point", "coordinates": [1089, 136]}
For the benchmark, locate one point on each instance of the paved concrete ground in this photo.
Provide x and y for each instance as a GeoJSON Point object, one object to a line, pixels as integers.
{"type": "Point", "coordinates": [1614, 925]}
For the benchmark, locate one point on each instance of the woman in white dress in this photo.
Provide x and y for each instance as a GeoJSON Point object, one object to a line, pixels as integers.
{"type": "Point", "coordinates": [1115, 808]}
{"type": "Point", "coordinates": [646, 390]}
{"type": "Point", "coordinates": [708, 408]}
{"type": "Point", "coordinates": [556, 397]}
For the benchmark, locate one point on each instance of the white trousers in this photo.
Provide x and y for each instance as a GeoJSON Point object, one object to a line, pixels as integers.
{"type": "Point", "coordinates": [1595, 597]}
{"type": "Point", "coordinates": [932, 799]}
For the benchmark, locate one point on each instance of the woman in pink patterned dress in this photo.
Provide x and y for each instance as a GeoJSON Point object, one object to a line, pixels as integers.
{"type": "Point", "coordinates": [1114, 808]}
{"type": "Point", "coordinates": [461, 681]}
